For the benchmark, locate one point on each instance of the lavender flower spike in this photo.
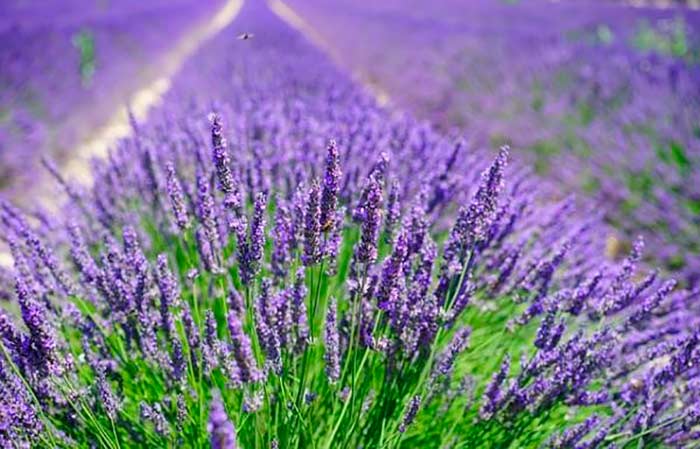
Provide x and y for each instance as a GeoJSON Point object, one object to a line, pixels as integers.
{"type": "Point", "coordinates": [331, 187]}
{"type": "Point", "coordinates": [42, 335]}
{"type": "Point", "coordinates": [177, 198]}
{"type": "Point", "coordinates": [206, 210]}
{"type": "Point", "coordinates": [169, 293]}
{"type": "Point", "coordinates": [242, 350]}
{"type": "Point", "coordinates": [493, 393]}
{"type": "Point", "coordinates": [222, 434]}
{"type": "Point", "coordinates": [411, 413]}
{"type": "Point", "coordinates": [332, 343]}
{"type": "Point", "coordinates": [251, 252]}
{"type": "Point", "coordinates": [371, 219]}
{"type": "Point", "coordinates": [458, 344]}
{"type": "Point", "coordinates": [312, 227]}
{"type": "Point", "coordinates": [227, 183]}
{"type": "Point", "coordinates": [474, 220]}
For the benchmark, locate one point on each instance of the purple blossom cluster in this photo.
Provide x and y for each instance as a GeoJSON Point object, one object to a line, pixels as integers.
{"type": "Point", "coordinates": [274, 260]}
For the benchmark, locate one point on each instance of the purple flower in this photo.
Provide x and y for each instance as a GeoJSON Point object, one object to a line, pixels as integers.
{"type": "Point", "coordinates": [154, 415]}
{"type": "Point", "coordinates": [393, 212]}
{"type": "Point", "coordinates": [20, 423]}
{"type": "Point", "coordinates": [227, 182]}
{"type": "Point", "coordinates": [371, 219]}
{"type": "Point", "coordinates": [299, 318]}
{"type": "Point", "coordinates": [222, 434]}
{"type": "Point", "coordinates": [574, 434]}
{"type": "Point", "coordinates": [236, 302]}
{"type": "Point", "coordinates": [210, 346]}
{"type": "Point", "coordinates": [411, 412]}
{"type": "Point", "coordinates": [206, 213]}
{"type": "Point", "coordinates": [474, 220]}
{"type": "Point", "coordinates": [493, 393]}
{"type": "Point", "coordinates": [106, 396]}
{"type": "Point", "coordinates": [387, 294]}
{"type": "Point", "coordinates": [251, 250]}
{"type": "Point", "coordinates": [44, 345]}
{"type": "Point", "coordinates": [177, 198]}
{"type": "Point", "coordinates": [268, 328]}
{"type": "Point", "coordinates": [81, 255]}
{"type": "Point", "coordinates": [331, 187]}
{"type": "Point", "coordinates": [169, 293]}
{"type": "Point", "coordinates": [242, 350]}
{"type": "Point", "coordinates": [312, 227]}
{"type": "Point", "coordinates": [178, 364]}
{"type": "Point", "coordinates": [191, 332]}
{"type": "Point", "coordinates": [283, 240]}
{"type": "Point", "coordinates": [43, 255]}
{"type": "Point", "coordinates": [549, 332]}
{"type": "Point", "coordinates": [457, 345]}
{"type": "Point", "coordinates": [332, 343]}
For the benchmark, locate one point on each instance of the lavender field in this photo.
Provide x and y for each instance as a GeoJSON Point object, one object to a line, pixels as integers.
{"type": "Point", "coordinates": [350, 224]}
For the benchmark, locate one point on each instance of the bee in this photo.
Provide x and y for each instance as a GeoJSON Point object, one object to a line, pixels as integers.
{"type": "Point", "coordinates": [327, 226]}
{"type": "Point", "coordinates": [245, 36]}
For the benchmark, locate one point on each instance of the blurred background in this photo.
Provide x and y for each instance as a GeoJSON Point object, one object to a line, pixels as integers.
{"type": "Point", "coordinates": [602, 98]}
{"type": "Point", "coordinates": [66, 66]}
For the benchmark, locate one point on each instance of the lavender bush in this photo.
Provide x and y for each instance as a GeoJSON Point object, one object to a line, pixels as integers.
{"type": "Point", "coordinates": [273, 260]}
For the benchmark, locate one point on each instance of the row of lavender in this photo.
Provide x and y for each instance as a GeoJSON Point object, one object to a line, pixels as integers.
{"type": "Point", "coordinates": [602, 97]}
{"type": "Point", "coordinates": [66, 66]}
{"type": "Point", "coordinates": [273, 260]}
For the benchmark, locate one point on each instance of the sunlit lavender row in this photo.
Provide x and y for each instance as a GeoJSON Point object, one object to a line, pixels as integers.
{"type": "Point", "coordinates": [272, 260]}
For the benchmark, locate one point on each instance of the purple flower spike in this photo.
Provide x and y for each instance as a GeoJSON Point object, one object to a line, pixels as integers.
{"type": "Point", "coordinates": [169, 293]}
{"type": "Point", "coordinates": [222, 434]}
{"type": "Point", "coordinates": [474, 220]}
{"type": "Point", "coordinates": [106, 395]}
{"type": "Point", "coordinates": [227, 182]}
{"type": "Point", "coordinates": [573, 435]}
{"type": "Point", "coordinates": [391, 275]}
{"type": "Point", "coordinates": [393, 212]}
{"type": "Point", "coordinates": [251, 252]}
{"type": "Point", "coordinates": [44, 345]}
{"type": "Point", "coordinates": [332, 343]}
{"type": "Point", "coordinates": [177, 198]}
{"type": "Point", "coordinates": [206, 212]}
{"type": "Point", "coordinates": [456, 346]}
{"type": "Point", "coordinates": [283, 239]}
{"type": "Point", "coordinates": [242, 350]}
{"type": "Point", "coordinates": [371, 219]}
{"type": "Point", "coordinates": [312, 226]}
{"type": "Point", "coordinates": [81, 255]}
{"type": "Point", "coordinates": [299, 318]}
{"type": "Point", "coordinates": [411, 413]}
{"type": "Point", "coordinates": [331, 187]}
{"type": "Point", "coordinates": [494, 393]}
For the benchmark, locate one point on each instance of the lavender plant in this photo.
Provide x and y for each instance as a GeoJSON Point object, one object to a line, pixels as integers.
{"type": "Point", "coordinates": [282, 263]}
